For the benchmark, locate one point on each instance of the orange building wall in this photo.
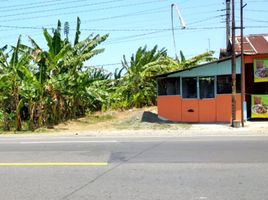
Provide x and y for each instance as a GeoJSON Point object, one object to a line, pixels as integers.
{"type": "Point", "coordinates": [207, 110]}
{"type": "Point", "coordinates": [176, 109]}
{"type": "Point", "coordinates": [250, 58]}
{"type": "Point", "coordinates": [189, 110]}
{"type": "Point", "coordinates": [224, 108]}
{"type": "Point", "coordinates": [169, 107]}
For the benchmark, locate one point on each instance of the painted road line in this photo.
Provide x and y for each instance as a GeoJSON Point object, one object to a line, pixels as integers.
{"type": "Point", "coordinates": [55, 164]}
{"type": "Point", "coordinates": [70, 141]}
{"type": "Point", "coordinates": [12, 138]}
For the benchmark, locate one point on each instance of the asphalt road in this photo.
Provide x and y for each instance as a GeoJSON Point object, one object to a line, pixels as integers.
{"type": "Point", "coordinates": [192, 168]}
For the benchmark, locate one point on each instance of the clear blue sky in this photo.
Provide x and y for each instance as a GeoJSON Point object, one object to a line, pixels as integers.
{"type": "Point", "coordinates": [130, 23]}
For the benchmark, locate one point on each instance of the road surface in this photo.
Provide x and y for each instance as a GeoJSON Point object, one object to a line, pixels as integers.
{"type": "Point", "coordinates": [80, 168]}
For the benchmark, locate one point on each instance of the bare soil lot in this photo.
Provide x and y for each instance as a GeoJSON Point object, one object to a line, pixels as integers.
{"type": "Point", "coordinates": [133, 119]}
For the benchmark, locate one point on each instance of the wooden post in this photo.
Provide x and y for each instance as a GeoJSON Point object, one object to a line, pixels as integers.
{"type": "Point", "coordinates": [242, 63]}
{"type": "Point", "coordinates": [228, 34]}
{"type": "Point", "coordinates": [233, 67]}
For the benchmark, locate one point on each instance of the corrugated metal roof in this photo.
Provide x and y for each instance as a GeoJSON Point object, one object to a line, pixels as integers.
{"type": "Point", "coordinates": [253, 44]}
{"type": "Point", "coordinates": [195, 67]}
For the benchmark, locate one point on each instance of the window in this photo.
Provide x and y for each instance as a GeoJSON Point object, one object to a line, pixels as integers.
{"type": "Point", "coordinates": [169, 86]}
{"type": "Point", "coordinates": [224, 84]}
{"type": "Point", "coordinates": [161, 86]}
{"type": "Point", "coordinates": [189, 87]}
{"type": "Point", "coordinates": [206, 87]}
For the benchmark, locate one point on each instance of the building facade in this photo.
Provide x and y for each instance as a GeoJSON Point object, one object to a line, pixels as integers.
{"type": "Point", "coordinates": [200, 94]}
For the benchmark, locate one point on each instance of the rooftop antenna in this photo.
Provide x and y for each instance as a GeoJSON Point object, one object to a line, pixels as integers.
{"type": "Point", "coordinates": [182, 24]}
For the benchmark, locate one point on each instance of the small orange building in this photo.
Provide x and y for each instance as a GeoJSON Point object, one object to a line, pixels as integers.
{"type": "Point", "coordinates": [204, 93]}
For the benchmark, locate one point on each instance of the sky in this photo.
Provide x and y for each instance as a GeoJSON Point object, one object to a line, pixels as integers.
{"type": "Point", "coordinates": [131, 24]}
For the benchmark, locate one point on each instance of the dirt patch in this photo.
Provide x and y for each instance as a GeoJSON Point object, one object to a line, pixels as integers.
{"type": "Point", "coordinates": [133, 119]}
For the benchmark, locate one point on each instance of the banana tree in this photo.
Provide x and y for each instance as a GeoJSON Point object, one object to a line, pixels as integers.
{"type": "Point", "coordinates": [134, 88]}
{"type": "Point", "coordinates": [60, 70]}
{"type": "Point", "coordinates": [11, 81]}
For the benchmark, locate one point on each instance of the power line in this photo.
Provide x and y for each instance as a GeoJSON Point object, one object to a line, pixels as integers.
{"type": "Point", "coordinates": [200, 6]}
{"type": "Point", "coordinates": [108, 64]}
{"type": "Point", "coordinates": [204, 20]}
{"type": "Point", "coordinates": [263, 1]}
{"type": "Point", "coordinates": [143, 37]}
{"type": "Point", "coordinates": [256, 20]}
{"type": "Point", "coordinates": [134, 36]}
{"type": "Point", "coordinates": [95, 29]}
{"type": "Point", "coordinates": [63, 8]}
{"type": "Point", "coordinates": [256, 27]}
{"type": "Point", "coordinates": [75, 12]}
{"type": "Point", "coordinates": [200, 13]}
{"type": "Point", "coordinates": [51, 2]}
{"type": "Point", "coordinates": [144, 12]}
{"type": "Point", "coordinates": [255, 10]}
{"type": "Point", "coordinates": [148, 31]}
{"type": "Point", "coordinates": [185, 1]}
{"type": "Point", "coordinates": [206, 28]}
{"type": "Point", "coordinates": [138, 13]}
{"type": "Point", "coordinates": [50, 27]}
{"type": "Point", "coordinates": [128, 29]}
{"type": "Point", "coordinates": [140, 37]}
{"type": "Point", "coordinates": [22, 27]}
{"type": "Point", "coordinates": [33, 5]}
{"type": "Point", "coordinates": [113, 29]}
{"type": "Point", "coordinates": [137, 37]}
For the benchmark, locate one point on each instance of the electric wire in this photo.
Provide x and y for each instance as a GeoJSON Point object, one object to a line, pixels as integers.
{"type": "Point", "coordinates": [146, 33]}
{"type": "Point", "coordinates": [81, 11]}
{"type": "Point", "coordinates": [64, 8]}
{"type": "Point", "coordinates": [44, 4]}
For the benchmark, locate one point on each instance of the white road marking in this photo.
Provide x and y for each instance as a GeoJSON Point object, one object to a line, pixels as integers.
{"type": "Point", "coordinates": [54, 164]}
{"type": "Point", "coordinates": [41, 138]}
{"type": "Point", "coordinates": [67, 142]}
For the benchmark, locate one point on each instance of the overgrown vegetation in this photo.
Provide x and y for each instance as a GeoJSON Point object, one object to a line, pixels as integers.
{"type": "Point", "coordinates": [45, 87]}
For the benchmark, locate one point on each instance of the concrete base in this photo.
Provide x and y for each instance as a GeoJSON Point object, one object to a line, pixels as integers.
{"type": "Point", "coordinates": [236, 124]}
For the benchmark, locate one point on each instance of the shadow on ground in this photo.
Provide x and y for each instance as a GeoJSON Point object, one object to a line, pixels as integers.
{"type": "Point", "coordinates": [151, 117]}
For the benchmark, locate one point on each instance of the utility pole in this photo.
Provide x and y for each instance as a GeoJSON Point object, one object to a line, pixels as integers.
{"type": "Point", "coordinates": [242, 63]}
{"type": "Point", "coordinates": [233, 67]}
{"type": "Point", "coordinates": [228, 16]}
